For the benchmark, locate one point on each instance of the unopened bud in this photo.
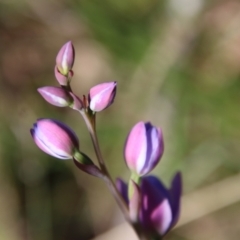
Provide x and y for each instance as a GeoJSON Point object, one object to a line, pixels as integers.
{"type": "Point", "coordinates": [65, 58]}
{"type": "Point", "coordinates": [55, 138]}
{"type": "Point", "coordinates": [143, 148]}
{"type": "Point", "coordinates": [102, 96]}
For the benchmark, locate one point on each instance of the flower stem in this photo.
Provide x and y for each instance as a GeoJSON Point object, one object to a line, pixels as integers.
{"type": "Point", "coordinates": [91, 125]}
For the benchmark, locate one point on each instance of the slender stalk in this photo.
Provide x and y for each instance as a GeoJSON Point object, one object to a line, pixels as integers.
{"type": "Point", "coordinates": [90, 122]}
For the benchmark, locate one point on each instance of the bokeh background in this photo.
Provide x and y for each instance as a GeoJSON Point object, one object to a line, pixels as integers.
{"type": "Point", "coordinates": [177, 63]}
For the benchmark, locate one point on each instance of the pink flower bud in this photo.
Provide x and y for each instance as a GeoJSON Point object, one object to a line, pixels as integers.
{"type": "Point", "coordinates": [143, 148]}
{"type": "Point", "coordinates": [60, 97]}
{"type": "Point", "coordinates": [56, 96]}
{"type": "Point", "coordinates": [65, 58]}
{"type": "Point", "coordinates": [55, 138]}
{"type": "Point", "coordinates": [102, 95]}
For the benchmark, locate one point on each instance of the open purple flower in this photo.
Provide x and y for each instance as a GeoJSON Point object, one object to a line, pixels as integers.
{"type": "Point", "coordinates": [159, 207]}
{"type": "Point", "coordinates": [55, 138]}
{"type": "Point", "coordinates": [143, 148]}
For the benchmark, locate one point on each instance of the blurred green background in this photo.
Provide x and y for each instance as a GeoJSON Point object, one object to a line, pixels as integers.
{"type": "Point", "coordinates": [177, 63]}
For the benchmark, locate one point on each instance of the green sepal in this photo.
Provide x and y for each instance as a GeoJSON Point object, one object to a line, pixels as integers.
{"type": "Point", "coordinates": [137, 179]}
{"type": "Point", "coordinates": [84, 163]}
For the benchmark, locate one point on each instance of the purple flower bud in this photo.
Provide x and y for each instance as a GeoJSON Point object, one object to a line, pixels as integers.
{"type": "Point", "coordinates": [159, 206]}
{"type": "Point", "coordinates": [55, 138]}
{"type": "Point", "coordinates": [102, 95]}
{"type": "Point", "coordinates": [65, 58]}
{"type": "Point", "coordinates": [143, 148]}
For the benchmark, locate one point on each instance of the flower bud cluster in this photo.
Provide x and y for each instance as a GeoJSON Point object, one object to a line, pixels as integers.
{"type": "Point", "coordinates": [54, 137]}
{"type": "Point", "coordinates": [151, 206]}
{"type": "Point", "coordinates": [100, 96]}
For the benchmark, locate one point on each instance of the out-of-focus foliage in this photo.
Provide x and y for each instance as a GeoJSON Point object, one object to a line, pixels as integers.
{"type": "Point", "coordinates": [177, 63]}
